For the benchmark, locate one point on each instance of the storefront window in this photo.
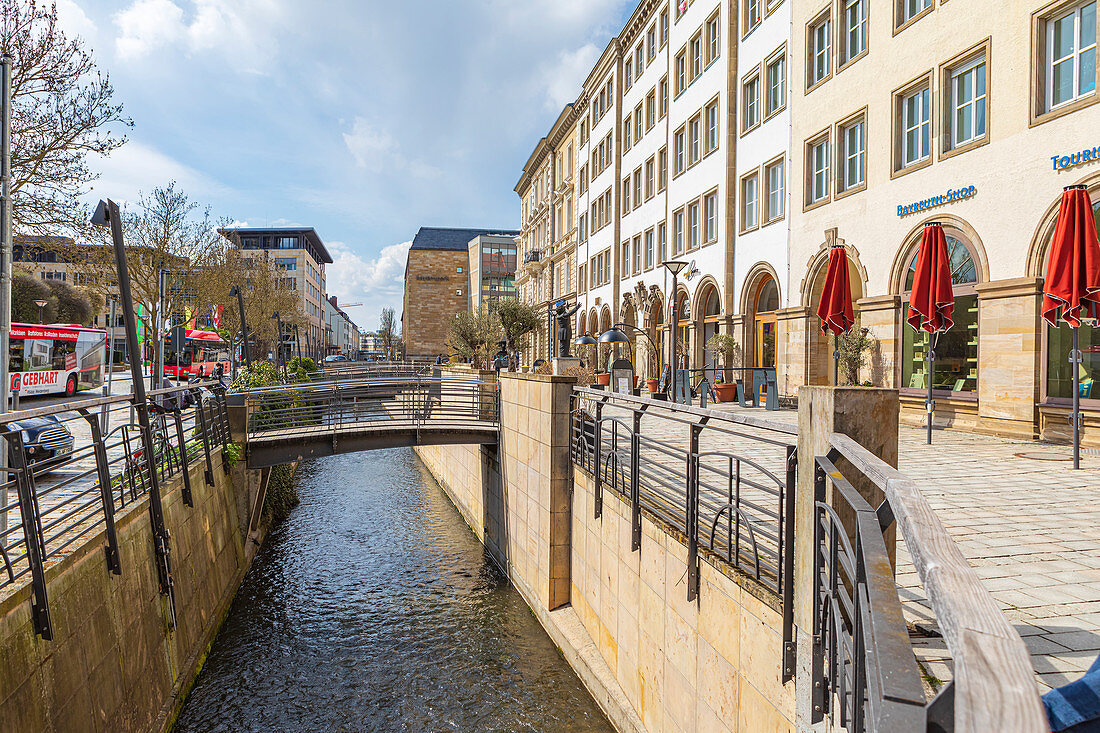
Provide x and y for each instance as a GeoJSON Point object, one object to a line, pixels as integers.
{"type": "Point", "coordinates": [1059, 342]}
{"type": "Point", "coordinates": [683, 331]}
{"type": "Point", "coordinates": [767, 302]}
{"type": "Point", "coordinates": [711, 312]}
{"type": "Point", "coordinates": [956, 365]}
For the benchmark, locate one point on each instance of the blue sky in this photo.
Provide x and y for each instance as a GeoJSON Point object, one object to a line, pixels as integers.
{"type": "Point", "coordinates": [364, 119]}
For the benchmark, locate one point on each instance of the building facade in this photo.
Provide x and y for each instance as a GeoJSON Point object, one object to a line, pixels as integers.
{"type": "Point", "coordinates": [975, 115]}
{"type": "Point", "coordinates": [301, 254]}
{"type": "Point", "coordinates": [492, 268]}
{"type": "Point", "coordinates": [436, 283]}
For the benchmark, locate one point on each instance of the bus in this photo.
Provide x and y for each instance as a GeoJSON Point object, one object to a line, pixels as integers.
{"type": "Point", "coordinates": [55, 359]}
{"type": "Point", "coordinates": [204, 349]}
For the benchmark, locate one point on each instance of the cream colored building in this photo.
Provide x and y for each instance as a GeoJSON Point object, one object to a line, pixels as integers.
{"type": "Point", "coordinates": [972, 114]}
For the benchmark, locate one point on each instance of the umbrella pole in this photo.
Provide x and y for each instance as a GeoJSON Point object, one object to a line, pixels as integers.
{"type": "Point", "coordinates": [836, 360]}
{"type": "Point", "coordinates": [1075, 360]}
{"type": "Point", "coordinates": [929, 405]}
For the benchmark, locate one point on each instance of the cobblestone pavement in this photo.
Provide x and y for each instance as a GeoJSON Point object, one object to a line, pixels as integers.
{"type": "Point", "coordinates": [1029, 525]}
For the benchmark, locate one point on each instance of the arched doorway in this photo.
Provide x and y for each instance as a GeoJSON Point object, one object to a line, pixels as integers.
{"type": "Point", "coordinates": [655, 324]}
{"type": "Point", "coordinates": [709, 321]}
{"type": "Point", "coordinates": [820, 346]}
{"type": "Point", "coordinates": [683, 330]}
{"type": "Point", "coordinates": [955, 371]}
{"type": "Point", "coordinates": [765, 304]}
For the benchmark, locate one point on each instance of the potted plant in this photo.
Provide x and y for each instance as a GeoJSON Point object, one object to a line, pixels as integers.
{"type": "Point", "coordinates": [854, 346]}
{"type": "Point", "coordinates": [725, 345]}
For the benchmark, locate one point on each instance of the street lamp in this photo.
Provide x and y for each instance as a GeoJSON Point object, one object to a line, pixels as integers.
{"type": "Point", "coordinates": [41, 305]}
{"type": "Point", "coordinates": [619, 329]}
{"type": "Point", "coordinates": [674, 267]}
{"type": "Point", "coordinates": [235, 291]}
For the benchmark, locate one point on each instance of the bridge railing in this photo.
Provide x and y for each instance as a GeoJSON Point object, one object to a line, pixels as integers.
{"type": "Point", "coordinates": [865, 675]}
{"type": "Point", "coordinates": [346, 405]}
{"type": "Point", "coordinates": [71, 468]}
{"type": "Point", "coordinates": [726, 481]}
{"type": "Point", "coordinates": [343, 371]}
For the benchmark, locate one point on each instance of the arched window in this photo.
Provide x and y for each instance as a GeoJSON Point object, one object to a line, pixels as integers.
{"type": "Point", "coordinates": [1059, 376]}
{"type": "Point", "coordinates": [683, 330]}
{"type": "Point", "coordinates": [765, 305]}
{"type": "Point", "coordinates": [956, 365]}
{"type": "Point", "coordinates": [712, 310]}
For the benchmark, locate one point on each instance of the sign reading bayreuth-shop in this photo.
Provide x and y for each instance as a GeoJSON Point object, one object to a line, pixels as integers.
{"type": "Point", "coordinates": [953, 194]}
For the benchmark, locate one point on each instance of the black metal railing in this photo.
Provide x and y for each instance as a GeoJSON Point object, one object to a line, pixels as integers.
{"type": "Point", "coordinates": [72, 468]}
{"type": "Point", "coordinates": [725, 481]}
{"type": "Point", "coordinates": [865, 676]}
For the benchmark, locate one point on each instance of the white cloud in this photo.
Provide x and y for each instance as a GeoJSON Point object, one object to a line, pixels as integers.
{"type": "Point", "coordinates": [136, 168]}
{"type": "Point", "coordinates": [72, 19]}
{"type": "Point", "coordinates": [376, 150]}
{"type": "Point", "coordinates": [148, 25]}
{"type": "Point", "coordinates": [564, 78]}
{"type": "Point", "coordinates": [377, 282]}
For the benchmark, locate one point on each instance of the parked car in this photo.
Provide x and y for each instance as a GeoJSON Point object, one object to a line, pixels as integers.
{"type": "Point", "coordinates": [44, 439]}
{"type": "Point", "coordinates": [335, 357]}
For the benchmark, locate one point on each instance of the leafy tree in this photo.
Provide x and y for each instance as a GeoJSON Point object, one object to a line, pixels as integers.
{"type": "Point", "coordinates": [854, 346]}
{"type": "Point", "coordinates": [72, 305]}
{"type": "Point", "coordinates": [517, 319]}
{"type": "Point", "coordinates": [62, 111]}
{"type": "Point", "coordinates": [25, 290]}
{"type": "Point", "coordinates": [473, 335]}
{"type": "Point", "coordinates": [388, 333]}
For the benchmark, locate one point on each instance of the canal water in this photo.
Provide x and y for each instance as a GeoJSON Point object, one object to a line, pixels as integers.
{"type": "Point", "coordinates": [374, 608]}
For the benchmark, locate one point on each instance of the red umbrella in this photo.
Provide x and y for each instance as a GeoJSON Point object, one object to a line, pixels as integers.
{"type": "Point", "coordinates": [835, 308]}
{"type": "Point", "coordinates": [932, 300]}
{"type": "Point", "coordinates": [1071, 289]}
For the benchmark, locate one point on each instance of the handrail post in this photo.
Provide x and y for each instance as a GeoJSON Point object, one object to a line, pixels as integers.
{"type": "Point", "coordinates": [200, 414]}
{"type": "Point", "coordinates": [223, 423]}
{"type": "Point", "coordinates": [103, 474]}
{"type": "Point", "coordinates": [635, 499]}
{"type": "Point", "coordinates": [692, 511]}
{"type": "Point", "coordinates": [786, 564]}
{"type": "Point", "coordinates": [817, 655]}
{"type": "Point", "coordinates": [32, 535]}
{"type": "Point", "coordinates": [188, 499]}
{"type": "Point", "coordinates": [597, 451]}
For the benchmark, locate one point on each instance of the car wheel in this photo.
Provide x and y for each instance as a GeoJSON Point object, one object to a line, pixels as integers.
{"type": "Point", "coordinates": [70, 387]}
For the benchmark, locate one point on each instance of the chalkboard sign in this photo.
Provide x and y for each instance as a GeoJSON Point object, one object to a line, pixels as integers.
{"type": "Point", "coordinates": [666, 378]}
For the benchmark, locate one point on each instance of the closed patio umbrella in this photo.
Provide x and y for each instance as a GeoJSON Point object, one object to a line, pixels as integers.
{"type": "Point", "coordinates": [1071, 289]}
{"type": "Point", "coordinates": [835, 308]}
{"type": "Point", "coordinates": [932, 300]}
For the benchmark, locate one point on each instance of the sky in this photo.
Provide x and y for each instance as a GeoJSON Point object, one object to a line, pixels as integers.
{"type": "Point", "coordinates": [365, 119]}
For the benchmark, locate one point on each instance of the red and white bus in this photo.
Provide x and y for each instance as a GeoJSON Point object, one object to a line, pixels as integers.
{"type": "Point", "coordinates": [204, 349]}
{"type": "Point", "coordinates": [57, 358]}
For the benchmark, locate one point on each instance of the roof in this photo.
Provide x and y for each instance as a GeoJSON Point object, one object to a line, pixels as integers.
{"type": "Point", "coordinates": [308, 232]}
{"type": "Point", "coordinates": [453, 240]}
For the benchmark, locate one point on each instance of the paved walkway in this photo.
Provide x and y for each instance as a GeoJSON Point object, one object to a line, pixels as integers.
{"type": "Point", "coordinates": [1029, 525]}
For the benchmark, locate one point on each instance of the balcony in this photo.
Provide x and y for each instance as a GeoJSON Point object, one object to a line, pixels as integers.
{"type": "Point", "coordinates": [531, 256]}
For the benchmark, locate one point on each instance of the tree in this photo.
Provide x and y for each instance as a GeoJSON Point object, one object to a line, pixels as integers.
{"type": "Point", "coordinates": [72, 305]}
{"type": "Point", "coordinates": [854, 346]}
{"type": "Point", "coordinates": [473, 335]}
{"type": "Point", "coordinates": [388, 332]}
{"type": "Point", "coordinates": [517, 319]}
{"type": "Point", "coordinates": [62, 111]}
{"type": "Point", "coordinates": [25, 290]}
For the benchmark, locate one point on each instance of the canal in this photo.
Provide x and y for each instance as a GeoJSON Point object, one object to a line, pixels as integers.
{"type": "Point", "coordinates": [374, 608]}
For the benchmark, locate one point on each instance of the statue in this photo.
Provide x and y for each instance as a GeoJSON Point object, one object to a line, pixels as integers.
{"type": "Point", "coordinates": [565, 327]}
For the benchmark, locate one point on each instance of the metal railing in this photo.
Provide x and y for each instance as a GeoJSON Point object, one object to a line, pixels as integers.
{"type": "Point", "coordinates": [344, 370]}
{"type": "Point", "coordinates": [725, 481]}
{"type": "Point", "coordinates": [53, 497]}
{"type": "Point", "coordinates": [865, 675]}
{"type": "Point", "coordinates": [343, 405]}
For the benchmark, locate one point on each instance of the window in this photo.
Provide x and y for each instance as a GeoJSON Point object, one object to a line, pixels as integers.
{"type": "Point", "coordinates": [286, 263]}
{"type": "Point", "coordinates": [626, 136]}
{"type": "Point", "coordinates": [750, 193]}
{"type": "Point", "coordinates": [637, 254]}
{"type": "Point", "coordinates": [968, 102]}
{"type": "Point", "coordinates": [650, 178]}
{"type": "Point", "coordinates": [776, 75]}
{"type": "Point", "coordinates": [853, 155]}
{"type": "Point", "coordinates": [854, 35]}
{"type": "Point", "coordinates": [638, 123]}
{"type": "Point", "coordinates": [712, 126]}
{"type": "Point", "coordinates": [1059, 381]}
{"type": "Point", "coordinates": [624, 261]}
{"type": "Point", "coordinates": [651, 42]}
{"type": "Point", "coordinates": [750, 102]}
{"type": "Point", "coordinates": [626, 195]}
{"type": "Point", "coordinates": [678, 232]}
{"type": "Point", "coordinates": [583, 182]}
{"type": "Point", "coordinates": [584, 131]}
{"type": "Point", "coordinates": [581, 282]}
{"type": "Point", "coordinates": [628, 74]}
{"type": "Point", "coordinates": [662, 98]}
{"type": "Point", "coordinates": [649, 249]}
{"type": "Point", "coordinates": [956, 365]}
{"type": "Point", "coordinates": [286, 243]}
{"type": "Point", "coordinates": [662, 242]}
{"type": "Point", "coordinates": [693, 225]}
{"type": "Point", "coordinates": [696, 56]}
{"type": "Point", "coordinates": [662, 169]}
{"type": "Point", "coordinates": [775, 203]}
{"type": "Point", "coordinates": [678, 151]}
{"type": "Point", "coordinates": [637, 188]}
{"type": "Point", "coordinates": [821, 50]}
{"type": "Point", "coordinates": [651, 110]}
{"type": "Point", "coordinates": [664, 27]}
{"type": "Point", "coordinates": [582, 230]}
{"type": "Point", "coordinates": [695, 127]}
{"type": "Point", "coordinates": [713, 38]}
{"type": "Point", "coordinates": [916, 126]}
{"type": "Point", "coordinates": [681, 72]}
{"type": "Point", "coordinates": [639, 59]}
{"type": "Point", "coordinates": [752, 14]}
{"type": "Point", "coordinates": [710, 216]}
{"type": "Point", "coordinates": [1071, 55]}
{"type": "Point", "coordinates": [911, 9]}
{"type": "Point", "coordinates": [818, 189]}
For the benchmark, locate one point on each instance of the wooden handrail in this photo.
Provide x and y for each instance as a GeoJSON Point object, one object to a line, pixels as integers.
{"type": "Point", "coordinates": [995, 687]}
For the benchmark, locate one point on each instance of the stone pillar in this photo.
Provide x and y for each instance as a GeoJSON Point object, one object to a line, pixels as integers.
{"type": "Point", "coordinates": [870, 417]}
{"type": "Point", "coordinates": [1009, 357]}
{"type": "Point", "coordinates": [537, 477]}
{"type": "Point", "coordinates": [880, 316]}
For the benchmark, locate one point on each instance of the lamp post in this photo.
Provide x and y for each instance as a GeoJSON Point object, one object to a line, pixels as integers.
{"type": "Point", "coordinates": [236, 291]}
{"type": "Point", "coordinates": [584, 340]}
{"type": "Point", "coordinates": [41, 306]}
{"type": "Point", "coordinates": [674, 267]}
{"type": "Point", "coordinates": [278, 340]}
{"type": "Point", "coordinates": [620, 327]}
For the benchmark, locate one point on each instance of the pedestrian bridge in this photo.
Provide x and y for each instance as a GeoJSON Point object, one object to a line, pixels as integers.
{"type": "Point", "coordinates": [334, 416]}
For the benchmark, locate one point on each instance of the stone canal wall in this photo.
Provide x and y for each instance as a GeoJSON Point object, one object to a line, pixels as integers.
{"type": "Point", "coordinates": [653, 661]}
{"type": "Point", "coordinates": [114, 664]}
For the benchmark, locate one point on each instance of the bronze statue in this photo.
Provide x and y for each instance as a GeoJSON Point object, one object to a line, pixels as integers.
{"type": "Point", "coordinates": [565, 327]}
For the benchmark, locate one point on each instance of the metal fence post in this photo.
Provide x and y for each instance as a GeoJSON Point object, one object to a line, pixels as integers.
{"type": "Point", "coordinates": [635, 499]}
{"type": "Point", "coordinates": [817, 661]}
{"type": "Point", "coordinates": [786, 564]}
{"type": "Point", "coordinates": [188, 499]}
{"type": "Point", "coordinates": [32, 536]}
{"type": "Point", "coordinates": [204, 434]}
{"type": "Point", "coordinates": [223, 424]}
{"type": "Point", "coordinates": [597, 450]}
{"type": "Point", "coordinates": [104, 476]}
{"type": "Point", "coordinates": [692, 512]}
